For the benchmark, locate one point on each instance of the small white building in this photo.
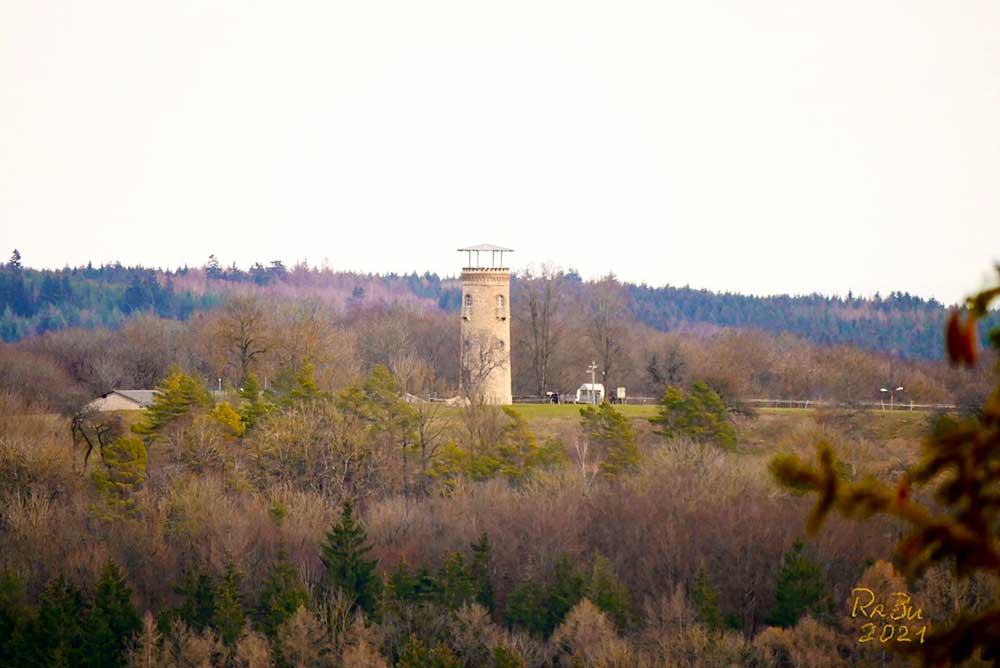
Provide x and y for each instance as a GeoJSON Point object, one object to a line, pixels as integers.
{"type": "Point", "coordinates": [590, 393]}
{"type": "Point", "coordinates": [122, 400]}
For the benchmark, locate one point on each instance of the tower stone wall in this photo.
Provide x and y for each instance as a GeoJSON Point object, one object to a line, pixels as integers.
{"type": "Point", "coordinates": [486, 334]}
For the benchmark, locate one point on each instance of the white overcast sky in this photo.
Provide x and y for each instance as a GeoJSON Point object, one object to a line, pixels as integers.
{"type": "Point", "coordinates": [755, 146]}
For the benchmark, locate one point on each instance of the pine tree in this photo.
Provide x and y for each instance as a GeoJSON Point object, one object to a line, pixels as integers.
{"type": "Point", "coordinates": [699, 415]}
{"type": "Point", "coordinates": [14, 616]}
{"type": "Point", "coordinates": [565, 592]}
{"type": "Point", "coordinates": [404, 584]}
{"type": "Point", "coordinates": [609, 593]}
{"type": "Point", "coordinates": [113, 620]}
{"type": "Point", "coordinates": [800, 589]}
{"type": "Point", "coordinates": [705, 600]}
{"type": "Point", "coordinates": [526, 606]}
{"type": "Point", "coordinates": [280, 596]}
{"type": "Point", "coordinates": [58, 638]}
{"type": "Point", "coordinates": [124, 472]}
{"type": "Point", "coordinates": [416, 655]}
{"type": "Point", "coordinates": [345, 561]}
{"type": "Point", "coordinates": [213, 269]}
{"type": "Point", "coordinates": [177, 396]}
{"type": "Point", "coordinates": [197, 591]}
{"type": "Point", "coordinates": [457, 586]}
{"type": "Point", "coordinates": [253, 408]}
{"type": "Point", "coordinates": [481, 572]}
{"type": "Point", "coordinates": [611, 433]}
{"type": "Point", "coordinates": [540, 607]}
{"type": "Point", "coordinates": [228, 618]}
{"type": "Point", "coordinates": [305, 387]}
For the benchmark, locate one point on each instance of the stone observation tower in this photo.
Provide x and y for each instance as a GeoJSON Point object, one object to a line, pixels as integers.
{"type": "Point", "coordinates": [485, 363]}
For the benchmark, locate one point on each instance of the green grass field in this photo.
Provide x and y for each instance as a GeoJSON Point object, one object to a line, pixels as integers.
{"type": "Point", "coordinates": [533, 411]}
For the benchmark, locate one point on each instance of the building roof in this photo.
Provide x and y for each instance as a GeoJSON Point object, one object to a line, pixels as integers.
{"type": "Point", "coordinates": [591, 387]}
{"type": "Point", "coordinates": [141, 397]}
{"type": "Point", "coordinates": [487, 247]}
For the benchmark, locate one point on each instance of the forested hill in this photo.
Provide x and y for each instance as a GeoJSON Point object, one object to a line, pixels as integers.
{"type": "Point", "coordinates": [900, 323]}
{"type": "Point", "coordinates": [36, 301]}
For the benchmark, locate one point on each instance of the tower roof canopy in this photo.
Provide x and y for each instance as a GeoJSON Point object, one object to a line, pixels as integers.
{"type": "Point", "coordinates": [487, 247]}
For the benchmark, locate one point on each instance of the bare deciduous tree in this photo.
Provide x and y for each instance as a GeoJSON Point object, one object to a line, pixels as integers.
{"type": "Point", "coordinates": [244, 332]}
{"type": "Point", "coordinates": [96, 429]}
{"type": "Point", "coordinates": [666, 366]}
{"type": "Point", "coordinates": [606, 322]}
{"type": "Point", "coordinates": [482, 353]}
{"type": "Point", "coordinates": [540, 303]}
{"type": "Point", "coordinates": [586, 461]}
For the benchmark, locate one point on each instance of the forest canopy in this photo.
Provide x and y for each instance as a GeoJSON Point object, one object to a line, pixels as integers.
{"type": "Point", "coordinates": [35, 301]}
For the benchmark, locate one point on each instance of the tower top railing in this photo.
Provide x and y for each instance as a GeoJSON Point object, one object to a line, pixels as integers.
{"type": "Point", "coordinates": [485, 248]}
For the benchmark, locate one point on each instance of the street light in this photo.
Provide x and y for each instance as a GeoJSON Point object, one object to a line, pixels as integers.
{"type": "Point", "coordinates": [892, 395]}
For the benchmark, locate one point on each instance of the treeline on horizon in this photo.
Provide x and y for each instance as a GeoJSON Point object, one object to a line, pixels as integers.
{"type": "Point", "coordinates": [36, 301]}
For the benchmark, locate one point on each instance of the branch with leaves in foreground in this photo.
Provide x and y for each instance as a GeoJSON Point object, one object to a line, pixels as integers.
{"type": "Point", "coordinates": [960, 465]}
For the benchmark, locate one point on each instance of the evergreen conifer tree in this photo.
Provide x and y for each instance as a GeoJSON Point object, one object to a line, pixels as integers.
{"type": "Point", "coordinates": [800, 589]}
{"type": "Point", "coordinates": [58, 639]}
{"type": "Point", "coordinates": [699, 415]}
{"type": "Point", "coordinates": [481, 572]}
{"type": "Point", "coordinates": [113, 620]}
{"type": "Point", "coordinates": [612, 434]}
{"type": "Point", "coordinates": [705, 600]}
{"type": "Point", "coordinates": [526, 606]}
{"type": "Point", "coordinates": [253, 409]}
{"type": "Point", "coordinates": [197, 591]}
{"type": "Point", "coordinates": [566, 591]}
{"type": "Point", "coordinates": [280, 596]}
{"type": "Point", "coordinates": [538, 607]}
{"type": "Point", "coordinates": [415, 654]}
{"type": "Point", "coordinates": [14, 617]}
{"type": "Point", "coordinates": [609, 593]}
{"type": "Point", "coordinates": [457, 586]}
{"type": "Point", "coordinates": [213, 269]}
{"type": "Point", "coordinates": [175, 397]}
{"type": "Point", "coordinates": [346, 563]}
{"type": "Point", "coordinates": [124, 472]}
{"type": "Point", "coordinates": [228, 618]}
{"type": "Point", "coordinates": [404, 584]}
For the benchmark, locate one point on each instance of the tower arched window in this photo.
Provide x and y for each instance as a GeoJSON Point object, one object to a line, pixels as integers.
{"type": "Point", "coordinates": [467, 309]}
{"type": "Point", "coordinates": [501, 311]}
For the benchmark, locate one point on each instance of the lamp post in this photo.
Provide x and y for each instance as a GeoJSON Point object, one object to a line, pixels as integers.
{"type": "Point", "coordinates": [892, 395]}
